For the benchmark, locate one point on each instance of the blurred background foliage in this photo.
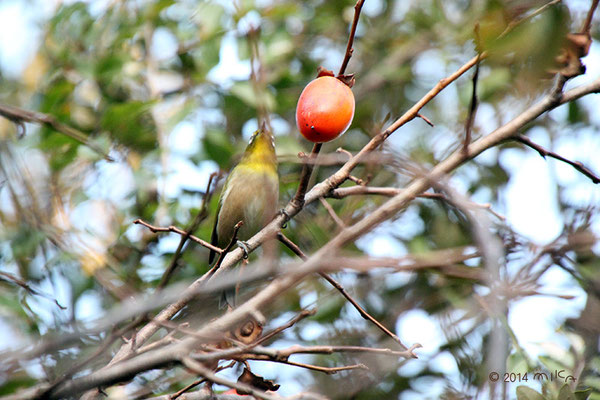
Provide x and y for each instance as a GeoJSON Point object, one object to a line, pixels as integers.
{"type": "Point", "coordinates": [164, 87]}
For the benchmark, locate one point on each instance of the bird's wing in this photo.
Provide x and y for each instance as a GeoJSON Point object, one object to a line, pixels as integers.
{"type": "Point", "coordinates": [214, 238]}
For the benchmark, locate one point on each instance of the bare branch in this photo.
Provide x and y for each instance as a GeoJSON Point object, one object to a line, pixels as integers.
{"type": "Point", "coordinates": [181, 232]}
{"type": "Point", "coordinates": [193, 226]}
{"type": "Point", "coordinates": [474, 102]}
{"type": "Point", "coordinates": [391, 207]}
{"type": "Point", "coordinates": [292, 246]}
{"type": "Point", "coordinates": [287, 352]}
{"type": "Point", "coordinates": [547, 153]}
{"type": "Point", "coordinates": [6, 277]}
{"type": "Point", "coordinates": [427, 120]}
{"type": "Point", "coordinates": [19, 116]}
{"type": "Point", "coordinates": [303, 314]}
{"type": "Point", "coordinates": [209, 375]}
{"type": "Point", "coordinates": [587, 25]}
{"type": "Point", "coordinates": [340, 193]}
{"type": "Point", "coordinates": [535, 13]}
{"type": "Point", "coordinates": [349, 49]}
{"type": "Point", "coordinates": [356, 180]}
{"type": "Point", "coordinates": [332, 213]}
{"type": "Point", "coordinates": [327, 370]}
{"type": "Point", "coordinates": [227, 249]}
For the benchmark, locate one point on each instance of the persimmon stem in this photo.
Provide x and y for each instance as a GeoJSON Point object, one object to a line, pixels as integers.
{"type": "Point", "coordinates": [307, 169]}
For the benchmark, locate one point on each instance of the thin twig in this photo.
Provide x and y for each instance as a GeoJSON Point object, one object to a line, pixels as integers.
{"type": "Point", "coordinates": [474, 102]}
{"type": "Point", "coordinates": [169, 338]}
{"type": "Point", "coordinates": [344, 151]}
{"type": "Point", "coordinates": [340, 193]}
{"type": "Point", "coordinates": [349, 49]}
{"type": "Point", "coordinates": [535, 13]}
{"type": "Point", "coordinates": [78, 366]}
{"type": "Point", "coordinates": [427, 120]}
{"type": "Point", "coordinates": [19, 116]}
{"type": "Point", "coordinates": [209, 375]}
{"type": "Point", "coordinates": [174, 229]}
{"type": "Point", "coordinates": [547, 153]}
{"type": "Point", "coordinates": [327, 370]}
{"type": "Point", "coordinates": [198, 382]}
{"type": "Point", "coordinates": [6, 277]}
{"type": "Point", "coordinates": [377, 157]}
{"type": "Point", "coordinates": [360, 310]}
{"type": "Point", "coordinates": [332, 213]}
{"type": "Point", "coordinates": [185, 389]}
{"type": "Point", "coordinates": [257, 78]}
{"type": "Point", "coordinates": [587, 25]}
{"type": "Point", "coordinates": [193, 226]}
{"type": "Point", "coordinates": [356, 180]}
{"type": "Point", "coordinates": [296, 349]}
{"type": "Point", "coordinates": [294, 247]}
{"type": "Point", "coordinates": [226, 250]}
{"type": "Point", "coordinates": [303, 314]}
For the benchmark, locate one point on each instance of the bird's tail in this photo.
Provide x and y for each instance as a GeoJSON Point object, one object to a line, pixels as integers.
{"type": "Point", "coordinates": [227, 299]}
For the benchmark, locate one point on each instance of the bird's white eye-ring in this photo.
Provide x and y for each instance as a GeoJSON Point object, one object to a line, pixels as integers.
{"type": "Point", "coordinates": [254, 135]}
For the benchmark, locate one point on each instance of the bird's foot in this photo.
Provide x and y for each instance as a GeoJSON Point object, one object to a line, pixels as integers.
{"type": "Point", "coordinates": [244, 247]}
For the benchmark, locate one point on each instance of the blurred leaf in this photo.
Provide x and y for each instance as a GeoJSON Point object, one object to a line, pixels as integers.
{"type": "Point", "coordinates": [245, 92]}
{"type": "Point", "coordinates": [526, 393]}
{"type": "Point", "coordinates": [22, 380]}
{"type": "Point", "coordinates": [131, 124]}
{"type": "Point", "coordinates": [517, 363]}
{"type": "Point", "coordinates": [209, 18]}
{"type": "Point", "coordinates": [583, 394]}
{"type": "Point", "coordinates": [217, 145]}
{"type": "Point", "coordinates": [566, 393]}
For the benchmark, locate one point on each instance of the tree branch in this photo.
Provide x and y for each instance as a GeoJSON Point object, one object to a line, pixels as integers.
{"type": "Point", "coordinates": [209, 375]}
{"type": "Point", "coordinates": [292, 246]}
{"type": "Point", "coordinates": [332, 213]}
{"type": "Point", "coordinates": [19, 116]}
{"type": "Point", "coordinates": [10, 278]}
{"type": "Point", "coordinates": [474, 102]}
{"type": "Point", "coordinates": [547, 153]}
{"type": "Point", "coordinates": [193, 226]}
{"type": "Point", "coordinates": [179, 231]}
{"type": "Point", "coordinates": [388, 209]}
{"type": "Point", "coordinates": [349, 49]}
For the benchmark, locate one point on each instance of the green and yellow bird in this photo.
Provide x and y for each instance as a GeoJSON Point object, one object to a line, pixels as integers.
{"type": "Point", "coordinates": [250, 193]}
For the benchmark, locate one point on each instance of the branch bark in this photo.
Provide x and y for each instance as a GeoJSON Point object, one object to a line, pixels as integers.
{"type": "Point", "coordinates": [19, 116]}
{"type": "Point", "coordinates": [313, 263]}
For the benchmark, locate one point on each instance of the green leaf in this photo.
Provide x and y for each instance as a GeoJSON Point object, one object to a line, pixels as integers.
{"type": "Point", "coordinates": [566, 393]}
{"type": "Point", "coordinates": [155, 9]}
{"type": "Point", "coordinates": [218, 147]}
{"type": "Point", "coordinates": [583, 394]}
{"type": "Point", "coordinates": [208, 17]}
{"type": "Point", "coordinates": [246, 93]}
{"type": "Point", "coordinates": [131, 124]}
{"type": "Point", "coordinates": [516, 363]}
{"type": "Point", "coordinates": [527, 393]}
{"type": "Point", "coordinates": [552, 364]}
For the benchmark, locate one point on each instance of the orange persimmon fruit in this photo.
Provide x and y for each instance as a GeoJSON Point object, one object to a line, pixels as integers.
{"type": "Point", "coordinates": [325, 109]}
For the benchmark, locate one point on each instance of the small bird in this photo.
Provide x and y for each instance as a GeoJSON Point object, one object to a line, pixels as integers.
{"type": "Point", "coordinates": [250, 193]}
